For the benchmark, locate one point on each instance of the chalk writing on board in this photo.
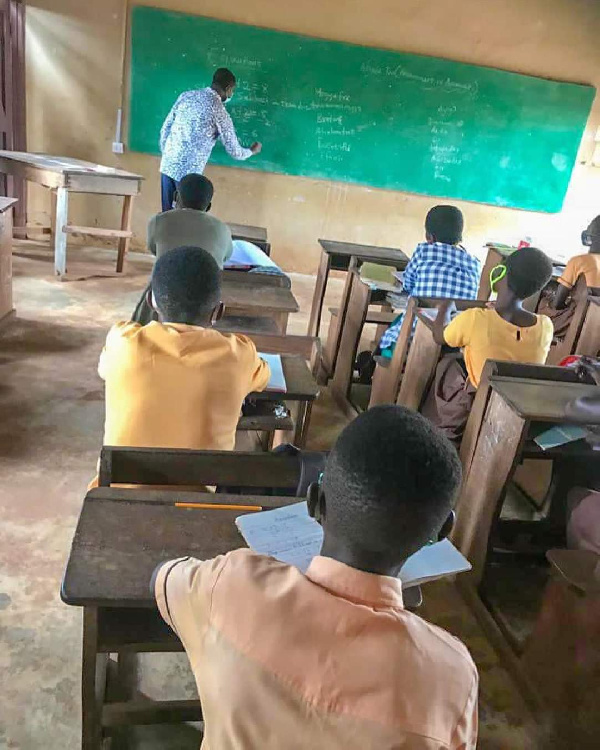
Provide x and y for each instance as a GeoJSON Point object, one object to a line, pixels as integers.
{"type": "Point", "coordinates": [325, 146]}
{"type": "Point", "coordinates": [428, 82]}
{"type": "Point", "coordinates": [218, 57]}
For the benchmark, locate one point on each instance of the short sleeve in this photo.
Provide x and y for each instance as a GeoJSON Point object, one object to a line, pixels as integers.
{"type": "Point", "coordinates": [258, 370]}
{"type": "Point", "coordinates": [152, 235]}
{"type": "Point", "coordinates": [547, 335]}
{"type": "Point", "coordinates": [183, 591]}
{"type": "Point", "coordinates": [465, 733]}
{"type": "Point", "coordinates": [570, 274]}
{"type": "Point", "coordinates": [115, 336]}
{"type": "Point", "coordinates": [460, 331]}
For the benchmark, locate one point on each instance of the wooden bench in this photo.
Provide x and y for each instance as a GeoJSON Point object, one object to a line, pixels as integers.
{"type": "Point", "coordinates": [422, 360]}
{"type": "Point", "coordinates": [582, 336]}
{"type": "Point", "coordinates": [387, 377]}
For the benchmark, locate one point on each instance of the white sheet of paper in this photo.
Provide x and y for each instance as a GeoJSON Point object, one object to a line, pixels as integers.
{"type": "Point", "coordinates": [247, 254]}
{"type": "Point", "coordinates": [289, 534]}
{"type": "Point", "coordinates": [277, 380]}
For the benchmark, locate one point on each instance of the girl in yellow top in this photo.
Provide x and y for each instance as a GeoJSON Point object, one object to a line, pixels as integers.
{"type": "Point", "coordinates": [505, 332]}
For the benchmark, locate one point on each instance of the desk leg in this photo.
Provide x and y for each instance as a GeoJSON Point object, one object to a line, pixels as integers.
{"type": "Point", "coordinates": [303, 412]}
{"type": "Point", "coordinates": [314, 322]}
{"type": "Point", "coordinates": [93, 682]}
{"type": "Point", "coordinates": [126, 227]}
{"type": "Point", "coordinates": [423, 357]}
{"type": "Point", "coordinates": [332, 345]}
{"type": "Point", "coordinates": [494, 462]}
{"type": "Point", "coordinates": [349, 339]}
{"type": "Point", "coordinates": [60, 238]}
{"type": "Point", "coordinates": [281, 321]}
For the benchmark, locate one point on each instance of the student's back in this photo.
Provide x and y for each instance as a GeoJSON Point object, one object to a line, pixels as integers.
{"type": "Point", "coordinates": [587, 264]}
{"type": "Point", "coordinates": [171, 385]}
{"type": "Point", "coordinates": [189, 227]}
{"type": "Point", "coordinates": [330, 658]}
{"type": "Point", "coordinates": [179, 383]}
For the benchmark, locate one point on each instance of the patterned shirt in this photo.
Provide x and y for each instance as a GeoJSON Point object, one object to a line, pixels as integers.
{"type": "Point", "coordinates": [437, 270]}
{"type": "Point", "coordinates": [188, 135]}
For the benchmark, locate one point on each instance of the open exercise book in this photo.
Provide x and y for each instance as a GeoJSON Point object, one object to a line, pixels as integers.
{"type": "Point", "coordinates": [247, 255]}
{"type": "Point", "coordinates": [289, 534]}
{"type": "Point", "coordinates": [277, 380]}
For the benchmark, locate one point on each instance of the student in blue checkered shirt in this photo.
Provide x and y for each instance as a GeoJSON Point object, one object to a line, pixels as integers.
{"type": "Point", "coordinates": [439, 267]}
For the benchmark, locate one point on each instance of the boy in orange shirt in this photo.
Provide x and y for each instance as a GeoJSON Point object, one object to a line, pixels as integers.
{"type": "Point", "coordinates": [505, 332]}
{"type": "Point", "coordinates": [178, 382]}
{"type": "Point", "coordinates": [330, 658]}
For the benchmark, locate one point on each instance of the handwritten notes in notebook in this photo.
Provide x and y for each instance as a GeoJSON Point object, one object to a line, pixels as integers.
{"type": "Point", "coordinates": [276, 382]}
{"type": "Point", "coordinates": [289, 534]}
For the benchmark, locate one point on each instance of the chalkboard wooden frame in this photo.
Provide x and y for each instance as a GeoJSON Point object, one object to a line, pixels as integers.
{"type": "Point", "coordinates": [386, 119]}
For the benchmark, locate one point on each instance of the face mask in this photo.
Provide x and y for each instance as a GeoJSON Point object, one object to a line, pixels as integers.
{"type": "Point", "coordinates": [496, 274]}
{"type": "Point", "coordinates": [586, 238]}
{"type": "Point", "coordinates": [228, 99]}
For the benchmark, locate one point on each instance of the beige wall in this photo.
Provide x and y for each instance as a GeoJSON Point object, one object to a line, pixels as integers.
{"type": "Point", "coordinates": [74, 89]}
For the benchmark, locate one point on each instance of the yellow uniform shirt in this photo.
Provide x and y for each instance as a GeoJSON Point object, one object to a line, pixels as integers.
{"type": "Point", "coordinates": [588, 264]}
{"type": "Point", "coordinates": [170, 385]}
{"type": "Point", "coordinates": [328, 660]}
{"type": "Point", "coordinates": [485, 335]}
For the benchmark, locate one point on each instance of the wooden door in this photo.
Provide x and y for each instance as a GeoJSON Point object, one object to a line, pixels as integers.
{"type": "Point", "coordinates": [12, 94]}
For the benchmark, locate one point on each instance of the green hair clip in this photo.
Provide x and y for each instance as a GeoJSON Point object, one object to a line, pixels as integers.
{"type": "Point", "coordinates": [497, 274]}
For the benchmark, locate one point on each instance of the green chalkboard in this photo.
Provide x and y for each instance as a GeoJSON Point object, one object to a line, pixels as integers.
{"type": "Point", "coordinates": [357, 114]}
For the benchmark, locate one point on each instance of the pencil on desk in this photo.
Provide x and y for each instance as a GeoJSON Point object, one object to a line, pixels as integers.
{"type": "Point", "coordinates": [218, 506]}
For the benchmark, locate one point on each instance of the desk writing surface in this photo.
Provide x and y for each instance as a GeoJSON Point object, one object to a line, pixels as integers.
{"type": "Point", "coordinates": [66, 164]}
{"type": "Point", "coordinates": [247, 232]}
{"type": "Point", "coordinates": [119, 542]}
{"type": "Point", "coordinates": [389, 256]}
{"type": "Point", "coordinates": [300, 383]}
{"type": "Point", "coordinates": [6, 203]}
{"type": "Point", "coordinates": [540, 400]}
{"type": "Point", "coordinates": [237, 295]}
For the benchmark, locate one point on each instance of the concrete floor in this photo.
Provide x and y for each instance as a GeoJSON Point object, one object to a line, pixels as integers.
{"type": "Point", "coordinates": [51, 416]}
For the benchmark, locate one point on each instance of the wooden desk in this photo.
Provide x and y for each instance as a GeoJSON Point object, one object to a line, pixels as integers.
{"type": "Point", "coordinates": [241, 299]}
{"type": "Point", "coordinates": [513, 405]}
{"type": "Point", "coordinates": [345, 256]}
{"type": "Point", "coordinates": [63, 175]}
{"type": "Point", "coordinates": [423, 357]}
{"type": "Point", "coordinates": [118, 542]}
{"type": "Point", "coordinates": [6, 223]}
{"type": "Point", "coordinates": [256, 235]}
{"type": "Point", "coordinates": [302, 390]}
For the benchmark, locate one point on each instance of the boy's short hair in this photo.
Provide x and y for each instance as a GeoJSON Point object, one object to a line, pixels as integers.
{"type": "Point", "coordinates": [390, 481]}
{"type": "Point", "coordinates": [527, 271]}
{"type": "Point", "coordinates": [195, 191]}
{"type": "Point", "coordinates": [446, 224]}
{"type": "Point", "coordinates": [186, 284]}
{"type": "Point", "coordinates": [223, 78]}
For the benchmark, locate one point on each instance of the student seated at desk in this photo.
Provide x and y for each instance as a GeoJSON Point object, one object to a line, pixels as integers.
{"type": "Point", "coordinates": [178, 382]}
{"type": "Point", "coordinates": [505, 332]}
{"type": "Point", "coordinates": [439, 267]}
{"type": "Point", "coordinates": [330, 658]}
{"type": "Point", "coordinates": [187, 225]}
{"type": "Point", "coordinates": [560, 307]}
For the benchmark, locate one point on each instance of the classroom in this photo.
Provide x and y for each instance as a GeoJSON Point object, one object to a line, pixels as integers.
{"type": "Point", "coordinates": [303, 299]}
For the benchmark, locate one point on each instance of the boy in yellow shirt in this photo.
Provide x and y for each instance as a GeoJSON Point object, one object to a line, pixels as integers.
{"type": "Point", "coordinates": [178, 382]}
{"type": "Point", "coordinates": [505, 332]}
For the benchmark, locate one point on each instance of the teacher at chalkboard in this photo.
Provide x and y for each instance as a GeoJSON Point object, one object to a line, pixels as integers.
{"type": "Point", "coordinates": [196, 120]}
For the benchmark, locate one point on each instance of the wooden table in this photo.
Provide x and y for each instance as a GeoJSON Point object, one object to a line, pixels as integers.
{"type": "Point", "coordinates": [256, 235]}
{"type": "Point", "coordinates": [260, 301]}
{"type": "Point", "coordinates": [117, 544]}
{"type": "Point", "coordinates": [6, 219]}
{"type": "Point", "coordinates": [514, 404]}
{"type": "Point", "coordinates": [302, 390]}
{"type": "Point", "coordinates": [64, 175]}
{"type": "Point", "coordinates": [345, 256]}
